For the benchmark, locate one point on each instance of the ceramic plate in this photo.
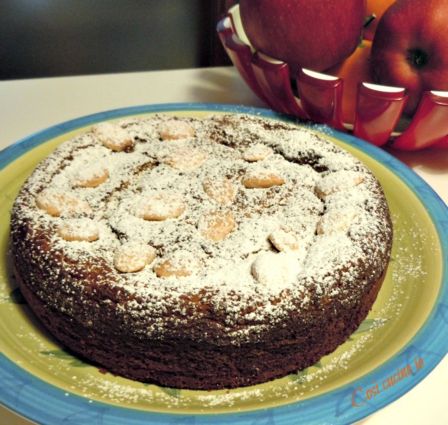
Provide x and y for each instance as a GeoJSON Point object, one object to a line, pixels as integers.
{"type": "Point", "coordinates": [400, 342]}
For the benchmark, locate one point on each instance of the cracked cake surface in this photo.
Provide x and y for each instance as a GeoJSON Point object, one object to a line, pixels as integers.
{"type": "Point", "coordinates": [231, 234]}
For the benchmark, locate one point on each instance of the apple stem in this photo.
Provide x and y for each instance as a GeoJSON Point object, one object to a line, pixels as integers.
{"type": "Point", "coordinates": [368, 20]}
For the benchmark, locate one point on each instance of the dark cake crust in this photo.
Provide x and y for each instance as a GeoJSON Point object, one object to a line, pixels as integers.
{"type": "Point", "coordinates": [181, 363]}
{"type": "Point", "coordinates": [192, 340]}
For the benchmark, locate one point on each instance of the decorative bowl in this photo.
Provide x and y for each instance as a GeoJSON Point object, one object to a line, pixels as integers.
{"type": "Point", "coordinates": [318, 97]}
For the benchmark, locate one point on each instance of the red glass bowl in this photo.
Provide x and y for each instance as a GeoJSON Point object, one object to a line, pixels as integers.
{"type": "Point", "coordinates": [318, 97]}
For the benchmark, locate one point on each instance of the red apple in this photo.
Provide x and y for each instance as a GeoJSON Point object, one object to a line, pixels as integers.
{"type": "Point", "coordinates": [375, 9]}
{"type": "Point", "coordinates": [314, 34]}
{"type": "Point", "coordinates": [410, 48]}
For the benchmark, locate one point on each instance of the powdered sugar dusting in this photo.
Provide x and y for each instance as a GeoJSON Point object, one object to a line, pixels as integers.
{"type": "Point", "coordinates": [242, 267]}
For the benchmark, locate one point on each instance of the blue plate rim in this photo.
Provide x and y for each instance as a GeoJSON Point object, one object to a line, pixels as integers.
{"type": "Point", "coordinates": [345, 403]}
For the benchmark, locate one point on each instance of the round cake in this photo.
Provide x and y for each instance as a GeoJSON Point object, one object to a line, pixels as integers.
{"type": "Point", "coordinates": [201, 253]}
